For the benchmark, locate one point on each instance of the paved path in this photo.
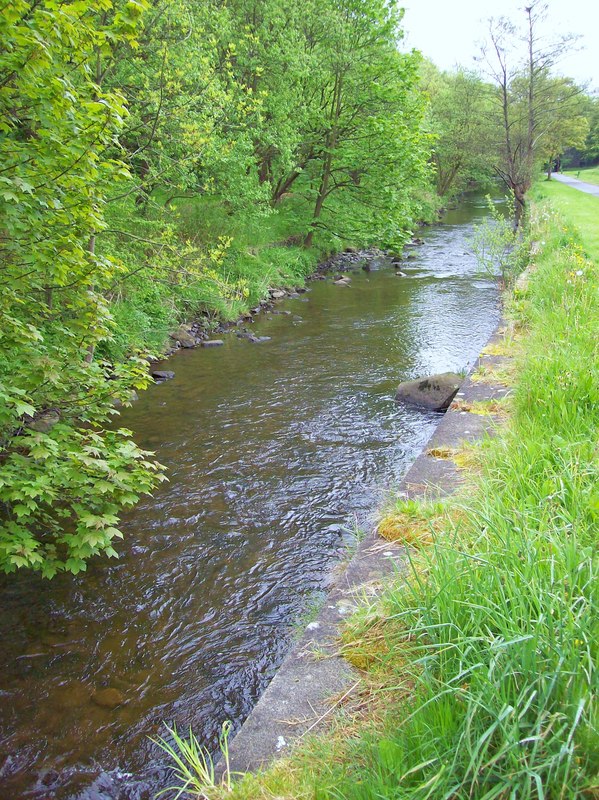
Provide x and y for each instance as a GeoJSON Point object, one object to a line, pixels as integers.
{"type": "Point", "coordinates": [582, 186]}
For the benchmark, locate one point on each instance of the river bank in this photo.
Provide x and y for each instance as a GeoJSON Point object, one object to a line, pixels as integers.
{"type": "Point", "coordinates": [243, 260]}
{"type": "Point", "coordinates": [204, 330]}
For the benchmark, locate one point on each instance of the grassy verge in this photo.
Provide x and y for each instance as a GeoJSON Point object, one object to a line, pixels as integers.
{"type": "Point", "coordinates": [577, 209]}
{"type": "Point", "coordinates": [588, 174]}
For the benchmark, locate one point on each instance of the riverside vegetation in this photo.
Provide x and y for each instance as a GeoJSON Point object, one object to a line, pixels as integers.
{"type": "Point", "coordinates": [479, 666]}
{"type": "Point", "coordinates": [173, 161]}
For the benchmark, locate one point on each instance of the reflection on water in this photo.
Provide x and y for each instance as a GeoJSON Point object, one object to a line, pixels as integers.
{"type": "Point", "coordinates": [274, 453]}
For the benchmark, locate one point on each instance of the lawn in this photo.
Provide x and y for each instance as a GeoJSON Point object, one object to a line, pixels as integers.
{"type": "Point", "coordinates": [577, 209]}
{"type": "Point", "coordinates": [588, 174]}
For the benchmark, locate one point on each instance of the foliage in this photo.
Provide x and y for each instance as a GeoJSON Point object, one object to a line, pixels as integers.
{"type": "Point", "coordinates": [536, 114]}
{"type": "Point", "coordinates": [252, 146]}
{"type": "Point", "coordinates": [498, 247]}
{"type": "Point", "coordinates": [459, 116]}
{"type": "Point", "coordinates": [63, 477]}
{"type": "Point", "coordinates": [587, 153]}
{"type": "Point", "coordinates": [568, 125]}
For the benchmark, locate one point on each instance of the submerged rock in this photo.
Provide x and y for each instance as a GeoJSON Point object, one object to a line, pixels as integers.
{"type": "Point", "coordinates": [212, 343]}
{"type": "Point", "coordinates": [44, 421]}
{"type": "Point", "coordinates": [108, 698]}
{"type": "Point", "coordinates": [434, 392]}
{"type": "Point", "coordinates": [252, 337]}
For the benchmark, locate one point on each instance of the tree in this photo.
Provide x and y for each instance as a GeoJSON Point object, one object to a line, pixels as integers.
{"type": "Point", "coordinates": [587, 154]}
{"type": "Point", "coordinates": [527, 103]}
{"type": "Point", "coordinates": [459, 117]}
{"type": "Point", "coordinates": [63, 475]}
{"type": "Point", "coordinates": [340, 121]}
{"type": "Point", "coordinates": [567, 124]}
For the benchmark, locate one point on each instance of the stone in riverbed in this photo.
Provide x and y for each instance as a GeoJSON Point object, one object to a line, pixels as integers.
{"type": "Point", "coordinates": [161, 375]}
{"type": "Point", "coordinates": [278, 294]}
{"type": "Point", "coordinates": [434, 392]}
{"type": "Point", "coordinates": [184, 336]}
{"type": "Point", "coordinates": [212, 343]}
{"type": "Point", "coordinates": [108, 698]}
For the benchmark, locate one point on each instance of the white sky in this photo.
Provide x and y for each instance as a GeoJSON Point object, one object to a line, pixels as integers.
{"type": "Point", "coordinates": [448, 31]}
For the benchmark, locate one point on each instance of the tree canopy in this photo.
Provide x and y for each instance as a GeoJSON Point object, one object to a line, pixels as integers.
{"type": "Point", "coordinates": [111, 115]}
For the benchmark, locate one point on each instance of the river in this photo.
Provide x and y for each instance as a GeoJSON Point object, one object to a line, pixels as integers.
{"type": "Point", "coordinates": [277, 453]}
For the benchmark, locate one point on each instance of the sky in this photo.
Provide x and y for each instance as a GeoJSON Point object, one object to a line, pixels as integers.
{"type": "Point", "coordinates": [449, 32]}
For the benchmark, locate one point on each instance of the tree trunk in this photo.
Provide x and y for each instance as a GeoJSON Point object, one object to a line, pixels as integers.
{"type": "Point", "coordinates": [283, 186]}
{"type": "Point", "coordinates": [331, 144]}
{"type": "Point", "coordinates": [519, 205]}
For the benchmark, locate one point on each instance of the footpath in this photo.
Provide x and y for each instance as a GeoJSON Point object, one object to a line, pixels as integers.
{"type": "Point", "coordinates": [582, 186]}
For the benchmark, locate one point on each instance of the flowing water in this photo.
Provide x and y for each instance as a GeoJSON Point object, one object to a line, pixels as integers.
{"type": "Point", "coordinates": [275, 453]}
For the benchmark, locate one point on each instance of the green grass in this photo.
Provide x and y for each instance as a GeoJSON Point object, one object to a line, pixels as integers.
{"type": "Point", "coordinates": [588, 174]}
{"type": "Point", "coordinates": [199, 258]}
{"type": "Point", "coordinates": [577, 209]}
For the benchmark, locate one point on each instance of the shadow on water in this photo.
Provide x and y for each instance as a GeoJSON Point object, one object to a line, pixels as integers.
{"type": "Point", "coordinates": [275, 452]}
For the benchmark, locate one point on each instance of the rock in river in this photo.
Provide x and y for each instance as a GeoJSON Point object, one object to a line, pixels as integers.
{"type": "Point", "coordinates": [184, 336]}
{"type": "Point", "coordinates": [108, 698]}
{"type": "Point", "coordinates": [44, 421]}
{"type": "Point", "coordinates": [161, 375]}
{"type": "Point", "coordinates": [434, 392]}
{"type": "Point", "coordinates": [212, 343]}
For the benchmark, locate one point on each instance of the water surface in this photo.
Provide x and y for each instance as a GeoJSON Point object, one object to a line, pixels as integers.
{"type": "Point", "coordinates": [275, 453]}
